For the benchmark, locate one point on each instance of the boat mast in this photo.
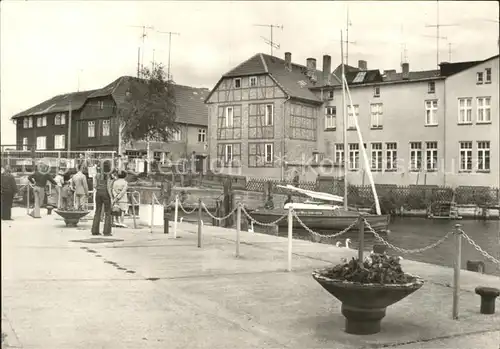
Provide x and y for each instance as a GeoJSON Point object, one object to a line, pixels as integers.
{"type": "Point", "coordinates": [344, 119]}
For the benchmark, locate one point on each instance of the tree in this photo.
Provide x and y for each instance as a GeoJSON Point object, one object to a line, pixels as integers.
{"type": "Point", "coordinates": [149, 111]}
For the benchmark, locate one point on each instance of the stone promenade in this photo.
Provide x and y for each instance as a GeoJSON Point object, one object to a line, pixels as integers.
{"type": "Point", "coordinates": [148, 290]}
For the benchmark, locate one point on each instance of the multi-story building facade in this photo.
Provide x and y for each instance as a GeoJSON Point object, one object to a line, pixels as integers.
{"type": "Point", "coordinates": [94, 123]}
{"type": "Point", "coordinates": [404, 118]}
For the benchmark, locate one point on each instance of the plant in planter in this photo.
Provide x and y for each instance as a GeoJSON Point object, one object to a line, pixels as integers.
{"type": "Point", "coordinates": [367, 288]}
{"type": "Point", "coordinates": [71, 216]}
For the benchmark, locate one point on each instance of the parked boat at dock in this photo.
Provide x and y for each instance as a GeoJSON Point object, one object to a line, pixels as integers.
{"type": "Point", "coordinates": [321, 214]}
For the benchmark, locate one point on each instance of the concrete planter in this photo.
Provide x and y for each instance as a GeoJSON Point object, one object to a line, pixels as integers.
{"type": "Point", "coordinates": [364, 305]}
{"type": "Point", "coordinates": [71, 218]}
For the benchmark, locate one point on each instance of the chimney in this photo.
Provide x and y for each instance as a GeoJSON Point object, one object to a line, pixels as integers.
{"type": "Point", "coordinates": [405, 67]}
{"type": "Point", "coordinates": [362, 65]}
{"type": "Point", "coordinates": [288, 61]}
{"type": "Point", "coordinates": [327, 69]}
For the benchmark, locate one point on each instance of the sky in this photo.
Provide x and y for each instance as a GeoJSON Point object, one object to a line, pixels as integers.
{"type": "Point", "coordinates": [54, 47]}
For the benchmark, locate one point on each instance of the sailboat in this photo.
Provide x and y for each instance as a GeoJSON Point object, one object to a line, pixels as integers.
{"type": "Point", "coordinates": [322, 212]}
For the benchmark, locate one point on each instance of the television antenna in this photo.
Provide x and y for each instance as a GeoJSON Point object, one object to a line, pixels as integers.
{"type": "Point", "coordinates": [438, 26]}
{"type": "Point", "coordinates": [143, 37]}
{"type": "Point", "coordinates": [349, 23]}
{"type": "Point", "coordinates": [169, 47]}
{"type": "Point", "coordinates": [267, 41]}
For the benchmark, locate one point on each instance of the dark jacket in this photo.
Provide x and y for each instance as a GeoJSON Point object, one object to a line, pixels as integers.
{"type": "Point", "coordinates": [9, 185]}
{"type": "Point", "coordinates": [41, 179]}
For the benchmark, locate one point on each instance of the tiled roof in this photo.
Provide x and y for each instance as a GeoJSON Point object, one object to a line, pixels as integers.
{"type": "Point", "coordinates": [448, 69]}
{"type": "Point", "coordinates": [57, 104]}
{"type": "Point", "coordinates": [252, 66]}
{"type": "Point", "coordinates": [413, 75]}
{"type": "Point", "coordinates": [191, 108]}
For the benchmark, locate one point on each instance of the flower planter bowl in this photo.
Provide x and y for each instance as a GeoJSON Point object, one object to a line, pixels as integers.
{"type": "Point", "coordinates": [71, 218]}
{"type": "Point", "coordinates": [364, 305]}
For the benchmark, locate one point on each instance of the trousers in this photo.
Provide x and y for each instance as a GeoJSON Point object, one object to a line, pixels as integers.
{"type": "Point", "coordinates": [39, 194]}
{"type": "Point", "coordinates": [102, 204]}
{"type": "Point", "coordinates": [7, 200]}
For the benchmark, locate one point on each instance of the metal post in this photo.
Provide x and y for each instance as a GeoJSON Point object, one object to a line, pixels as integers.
{"type": "Point", "coordinates": [152, 210]}
{"type": "Point", "coordinates": [290, 231]}
{"type": "Point", "coordinates": [27, 199]}
{"type": "Point", "coordinates": [361, 228]}
{"type": "Point", "coordinates": [238, 229]}
{"type": "Point", "coordinates": [344, 121]}
{"type": "Point", "coordinates": [176, 215]}
{"type": "Point", "coordinates": [456, 271]}
{"type": "Point", "coordinates": [199, 222]}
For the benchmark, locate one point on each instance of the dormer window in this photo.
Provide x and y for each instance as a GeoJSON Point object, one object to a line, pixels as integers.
{"type": "Point", "coordinates": [330, 95]}
{"type": "Point", "coordinates": [376, 91]}
{"type": "Point", "coordinates": [431, 87]}
{"type": "Point", "coordinates": [253, 81]}
{"type": "Point", "coordinates": [237, 83]}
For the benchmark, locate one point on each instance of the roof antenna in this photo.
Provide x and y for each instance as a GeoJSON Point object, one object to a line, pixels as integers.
{"type": "Point", "coordinates": [267, 41]}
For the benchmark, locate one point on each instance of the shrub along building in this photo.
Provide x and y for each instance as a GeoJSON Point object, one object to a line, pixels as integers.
{"type": "Point", "coordinates": [94, 123]}
{"type": "Point", "coordinates": [266, 107]}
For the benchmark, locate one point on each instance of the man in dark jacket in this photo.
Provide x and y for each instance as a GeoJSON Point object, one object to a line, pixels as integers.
{"type": "Point", "coordinates": [9, 190]}
{"type": "Point", "coordinates": [39, 179]}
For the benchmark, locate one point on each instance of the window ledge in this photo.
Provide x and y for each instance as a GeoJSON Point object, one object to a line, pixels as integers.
{"type": "Point", "coordinates": [483, 122]}
{"type": "Point", "coordinates": [431, 170]}
{"type": "Point", "coordinates": [487, 82]}
{"type": "Point", "coordinates": [464, 123]}
{"type": "Point", "coordinates": [351, 129]}
{"type": "Point", "coordinates": [431, 92]}
{"type": "Point", "coordinates": [464, 171]}
{"type": "Point", "coordinates": [479, 83]}
{"type": "Point", "coordinates": [376, 170]}
{"type": "Point", "coordinates": [431, 125]}
{"type": "Point", "coordinates": [329, 129]}
{"type": "Point", "coordinates": [390, 170]}
{"type": "Point", "coordinates": [376, 128]}
{"type": "Point", "coordinates": [354, 169]}
{"type": "Point", "coordinates": [376, 96]}
{"type": "Point", "coordinates": [483, 171]}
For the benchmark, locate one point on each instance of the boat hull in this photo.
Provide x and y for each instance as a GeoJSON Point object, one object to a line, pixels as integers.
{"type": "Point", "coordinates": [327, 221]}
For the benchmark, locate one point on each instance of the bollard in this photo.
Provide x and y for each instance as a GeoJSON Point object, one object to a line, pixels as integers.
{"type": "Point", "coordinates": [456, 270]}
{"type": "Point", "coordinates": [290, 231]}
{"type": "Point", "coordinates": [199, 222]}
{"type": "Point", "coordinates": [166, 213]}
{"type": "Point", "coordinates": [238, 229]}
{"type": "Point", "coordinates": [176, 215]}
{"type": "Point", "coordinates": [488, 298]}
{"type": "Point", "coordinates": [361, 228]}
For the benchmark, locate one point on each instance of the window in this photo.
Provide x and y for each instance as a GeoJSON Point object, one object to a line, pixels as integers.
{"type": "Point", "coordinates": [483, 156]}
{"type": "Point", "coordinates": [465, 110]}
{"type": "Point", "coordinates": [465, 156]}
{"type": "Point", "coordinates": [431, 113]}
{"type": "Point", "coordinates": [229, 116]}
{"type": "Point", "coordinates": [392, 156]}
{"type": "Point", "coordinates": [41, 121]}
{"type": "Point", "coordinates": [26, 122]}
{"type": "Point", "coordinates": [354, 156]}
{"type": "Point", "coordinates": [228, 154]}
{"type": "Point", "coordinates": [176, 135]}
{"type": "Point", "coordinates": [25, 143]}
{"type": "Point", "coordinates": [202, 135]}
{"type": "Point", "coordinates": [269, 153]}
{"type": "Point", "coordinates": [339, 154]}
{"type": "Point", "coordinates": [106, 128]}
{"type": "Point", "coordinates": [59, 141]}
{"type": "Point", "coordinates": [376, 115]}
{"type": "Point", "coordinates": [90, 129]}
{"type": "Point", "coordinates": [377, 156]}
{"type": "Point", "coordinates": [415, 156]}
{"type": "Point", "coordinates": [60, 119]}
{"type": "Point", "coordinates": [237, 83]}
{"type": "Point", "coordinates": [253, 81]}
{"type": "Point", "coordinates": [431, 87]}
{"type": "Point", "coordinates": [330, 117]}
{"type": "Point", "coordinates": [330, 95]}
{"type": "Point", "coordinates": [431, 156]}
{"type": "Point", "coordinates": [41, 143]}
{"type": "Point", "coordinates": [100, 105]}
{"type": "Point", "coordinates": [483, 109]}
{"type": "Point", "coordinates": [269, 114]}
{"type": "Point", "coordinates": [376, 91]}
{"type": "Point", "coordinates": [479, 78]}
{"type": "Point", "coordinates": [488, 76]}
{"type": "Point", "coordinates": [351, 124]}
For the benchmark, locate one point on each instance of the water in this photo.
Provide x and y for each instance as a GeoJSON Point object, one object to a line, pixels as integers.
{"type": "Point", "coordinates": [414, 233]}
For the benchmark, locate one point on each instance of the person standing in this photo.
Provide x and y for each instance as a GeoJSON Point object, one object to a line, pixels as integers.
{"type": "Point", "coordinates": [9, 190]}
{"type": "Point", "coordinates": [39, 179]}
{"type": "Point", "coordinates": [120, 198]}
{"type": "Point", "coordinates": [59, 179]}
{"type": "Point", "coordinates": [102, 204]}
{"type": "Point", "coordinates": [80, 187]}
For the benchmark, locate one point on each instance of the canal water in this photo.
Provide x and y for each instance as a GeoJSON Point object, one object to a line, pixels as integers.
{"type": "Point", "coordinates": [415, 233]}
